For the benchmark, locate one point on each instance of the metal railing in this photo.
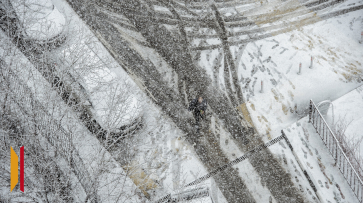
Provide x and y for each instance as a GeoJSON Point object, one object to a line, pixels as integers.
{"type": "Point", "coordinates": [48, 127]}
{"type": "Point", "coordinates": [334, 146]}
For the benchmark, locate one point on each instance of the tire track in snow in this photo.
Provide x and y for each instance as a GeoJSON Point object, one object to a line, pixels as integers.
{"type": "Point", "coordinates": [280, 29]}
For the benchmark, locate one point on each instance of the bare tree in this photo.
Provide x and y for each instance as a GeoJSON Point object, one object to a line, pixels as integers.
{"type": "Point", "coordinates": [45, 181]}
{"type": "Point", "coordinates": [351, 144]}
{"type": "Point", "coordinates": [78, 86]}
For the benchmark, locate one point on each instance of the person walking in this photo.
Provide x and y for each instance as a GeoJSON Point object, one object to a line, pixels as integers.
{"type": "Point", "coordinates": [198, 106]}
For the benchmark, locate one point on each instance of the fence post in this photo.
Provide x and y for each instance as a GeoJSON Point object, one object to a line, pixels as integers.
{"type": "Point", "coordinates": [261, 86]}
{"type": "Point", "coordinates": [361, 38]}
{"type": "Point", "coordinates": [299, 69]}
{"type": "Point", "coordinates": [310, 111]}
{"type": "Point", "coordinates": [311, 63]}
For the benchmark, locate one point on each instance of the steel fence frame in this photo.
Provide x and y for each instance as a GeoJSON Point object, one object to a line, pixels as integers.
{"type": "Point", "coordinates": [334, 146]}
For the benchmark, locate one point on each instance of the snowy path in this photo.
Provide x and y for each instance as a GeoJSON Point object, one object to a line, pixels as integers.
{"type": "Point", "coordinates": [107, 44]}
{"type": "Point", "coordinates": [288, 14]}
{"type": "Point", "coordinates": [179, 116]}
{"type": "Point", "coordinates": [210, 157]}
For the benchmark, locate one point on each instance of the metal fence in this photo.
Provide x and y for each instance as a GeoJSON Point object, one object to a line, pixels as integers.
{"type": "Point", "coordinates": [48, 127]}
{"type": "Point", "coordinates": [349, 167]}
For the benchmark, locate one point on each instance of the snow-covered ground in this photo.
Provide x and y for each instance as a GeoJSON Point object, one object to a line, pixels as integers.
{"type": "Point", "coordinates": [337, 64]}
{"type": "Point", "coordinates": [170, 162]}
{"type": "Point", "coordinates": [337, 69]}
{"type": "Point", "coordinates": [318, 162]}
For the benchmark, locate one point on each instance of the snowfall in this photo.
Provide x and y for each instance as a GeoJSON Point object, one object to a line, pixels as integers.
{"type": "Point", "coordinates": [278, 97]}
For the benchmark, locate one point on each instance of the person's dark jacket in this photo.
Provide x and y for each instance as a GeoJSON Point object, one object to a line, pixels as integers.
{"type": "Point", "coordinates": [196, 106]}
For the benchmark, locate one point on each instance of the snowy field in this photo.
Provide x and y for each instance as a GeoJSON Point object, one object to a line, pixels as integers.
{"type": "Point", "coordinates": [337, 68]}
